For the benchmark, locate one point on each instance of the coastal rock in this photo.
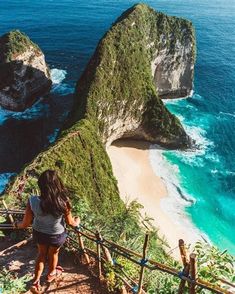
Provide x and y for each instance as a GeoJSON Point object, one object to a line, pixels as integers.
{"type": "Point", "coordinates": [173, 63]}
{"type": "Point", "coordinates": [146, 55]}
{"type": "Point", "coordinates": [24, 75]}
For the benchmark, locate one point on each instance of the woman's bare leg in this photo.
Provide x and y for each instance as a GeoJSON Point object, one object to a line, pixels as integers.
{"type": "Point", "coordinates": [40, 262]}
{"type": "Point", "coordinates": [53, 254]}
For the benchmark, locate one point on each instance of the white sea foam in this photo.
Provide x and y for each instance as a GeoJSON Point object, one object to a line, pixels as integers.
{"type": "Point", "coordinates": [58, 87]}
{"type": "Point", "coordinates": [213, 157]}
{"type": "Point", "coordinates": [227, 114]}
{"type": "Point", "coordinates": [191, 93]}
{"type": "Point", "coordinates": [197, 96]}
{"type": "Point", "coordinates": [199, 136]}
{"type": "Point", "coordinates": [202, 146]}
{"type": "Point", "coordinates": [176, 201]}
{"type": "Point", "coordinates": [181, 117]}
{"type": "Point", "coordinates": [173, 101]}
{"type": "Point", "coordinates": [58, 75]}
{"type": "Point", "coordinates": [197, 133]}
{"type": "Point", "coordinates": [223, 172]}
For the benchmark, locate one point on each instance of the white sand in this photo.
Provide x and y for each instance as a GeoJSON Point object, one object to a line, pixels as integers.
{"type": "Point", "coordinates": [137, 181]}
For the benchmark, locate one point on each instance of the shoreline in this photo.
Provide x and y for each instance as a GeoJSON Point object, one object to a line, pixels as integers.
{"type": "Point", "coordinates": [137, 180]}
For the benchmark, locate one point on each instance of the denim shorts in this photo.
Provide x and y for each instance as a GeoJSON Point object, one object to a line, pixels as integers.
{"type": "Point", "coordinates": [51, 240]}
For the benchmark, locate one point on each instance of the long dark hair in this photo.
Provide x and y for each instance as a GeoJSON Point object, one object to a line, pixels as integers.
{"type": "Point", "coordinates": [54, 195]}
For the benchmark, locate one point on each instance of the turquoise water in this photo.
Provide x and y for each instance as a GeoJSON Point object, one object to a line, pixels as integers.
{"type": "Point", "coordinates": [207, 174]}
{"type": "Point", "coordinates": [68, 32]}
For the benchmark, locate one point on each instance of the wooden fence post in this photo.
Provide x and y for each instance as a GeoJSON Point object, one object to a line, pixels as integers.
{"type": "Point", "coordinates": [142, 264]}
{"type": "Point", "coordinates": [107, 255]}
{"type": "Point", "coordinates": [183, 252]}
{"type": "Point", "coordinates": [81, 244]}
{"type": "Point", "coordinates": [185, 262]}
{"type": "Point", "coordinates": [9, 215]}
{"type": "Point", "coordinates": [193, 273]}
{"type": "Point", "coordinates": [98, 247]}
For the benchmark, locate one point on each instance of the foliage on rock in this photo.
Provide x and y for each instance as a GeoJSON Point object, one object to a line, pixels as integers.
{"type": "Point", "coordinates": [14, 43]}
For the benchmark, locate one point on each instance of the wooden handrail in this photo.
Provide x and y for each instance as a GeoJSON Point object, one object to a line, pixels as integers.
{"type": "Point", "coordinates": [107, 246]}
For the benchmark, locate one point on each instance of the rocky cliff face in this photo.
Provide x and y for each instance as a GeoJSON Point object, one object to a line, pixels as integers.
{"type": "Point", "coordinates": [144, 56]}
{"type": "Point", "coordinates": [24, 75]}
{"type": "Point", "coordinates": [172, 63]}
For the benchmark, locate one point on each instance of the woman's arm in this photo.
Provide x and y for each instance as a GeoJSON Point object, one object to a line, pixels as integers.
{"type": "Point", "coordinates": [27, 220]}
{"type": "Point", "coordinates": [70, 220]}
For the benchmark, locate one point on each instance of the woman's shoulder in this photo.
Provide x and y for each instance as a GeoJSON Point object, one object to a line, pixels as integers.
{"type": "Point", "coordinates": [33, 199]}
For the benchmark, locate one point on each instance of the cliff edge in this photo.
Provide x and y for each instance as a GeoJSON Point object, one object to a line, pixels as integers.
{"type": "Point", "coordinates": [146, 55]}
{"type": "Point", "coordinates": [24, 75]}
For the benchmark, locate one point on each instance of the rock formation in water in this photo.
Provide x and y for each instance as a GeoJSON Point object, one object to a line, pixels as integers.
{"type": "Point", "coordinates": [144, 56]}
{"type": "Point", "coordinates": [116, 97]}
{"type": "Point", "coordinates": [24, 75]}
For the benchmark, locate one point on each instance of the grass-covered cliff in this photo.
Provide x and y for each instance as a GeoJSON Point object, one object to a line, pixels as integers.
{"type": "Point", "coordinates": [117, 90]}
{"type": "Point", "coordinates": [84, 166]}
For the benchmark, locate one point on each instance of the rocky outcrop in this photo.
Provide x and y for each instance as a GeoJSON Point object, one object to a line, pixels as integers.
{"type": "Point", "coordinates": [173, 65]}
{"type": "Point", "coordinates": [24, 75]}
{"type": "Point", "coordinates": [146, 55]}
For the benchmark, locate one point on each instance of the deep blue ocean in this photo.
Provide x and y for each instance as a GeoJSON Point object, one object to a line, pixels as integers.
{"type": "Point", "coordinates": [68, 31]}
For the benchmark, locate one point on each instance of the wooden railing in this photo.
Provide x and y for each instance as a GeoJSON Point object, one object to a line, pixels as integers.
{"type": "Point", "coordinates": [105, 249]}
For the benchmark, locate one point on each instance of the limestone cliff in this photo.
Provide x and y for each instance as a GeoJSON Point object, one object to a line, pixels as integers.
{"type": "Point", "coordinates": [24, 75]}
{"type": "Point", "coordinates": [144, 55]}
{"type": "Point", "coordinates": [172, 61]}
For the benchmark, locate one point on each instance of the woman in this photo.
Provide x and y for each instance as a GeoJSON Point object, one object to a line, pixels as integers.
{"type": "Point", "coordinates": [48, 212]}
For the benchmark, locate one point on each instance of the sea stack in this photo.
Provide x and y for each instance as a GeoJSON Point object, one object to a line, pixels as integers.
{"type": "Point", "coordinates": [24, 74]}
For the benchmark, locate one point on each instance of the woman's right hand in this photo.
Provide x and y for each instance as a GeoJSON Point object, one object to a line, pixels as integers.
{"type": "Point", "coordinates": [76, 221]}
{"type": "Point", "coordinates": [72, 221]}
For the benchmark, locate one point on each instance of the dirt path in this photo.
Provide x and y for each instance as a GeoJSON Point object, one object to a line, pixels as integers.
{"type": "Point", "coordinates": [76, 278]}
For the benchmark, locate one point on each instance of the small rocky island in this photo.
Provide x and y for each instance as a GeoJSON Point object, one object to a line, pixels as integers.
{"type": "Point", "coordinates": [24, 74]}
{"type": "Point", "coordinates": [144, 56]}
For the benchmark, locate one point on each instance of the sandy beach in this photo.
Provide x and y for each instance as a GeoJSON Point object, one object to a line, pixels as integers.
{"type": "Point", "coordinates": [137, 181]}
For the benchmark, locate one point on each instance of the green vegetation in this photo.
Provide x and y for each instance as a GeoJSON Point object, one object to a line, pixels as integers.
{"type": "Point", "coordinates": [84, 166]}
{"type": "Point", "coordinates": [14, 43]}
{"type": "Point", "coordinates": [11, 284]}
{"type": "Point", "coordinates": [214, 264]}
{"type": "Point", "coordinates": [117, 83]}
